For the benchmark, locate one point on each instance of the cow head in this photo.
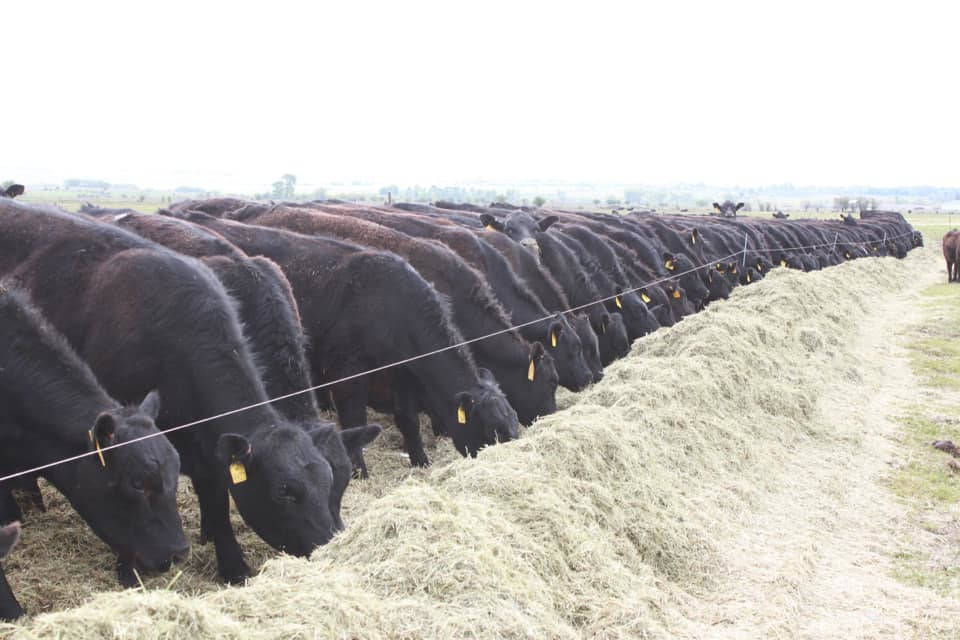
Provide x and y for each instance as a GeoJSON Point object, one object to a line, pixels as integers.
{"type": "Point", "coordinates": [484, 416]}
{"type": "Point", "coordinates": [728, 209]}
{"type": "Point", "coordinates": [612, 337]}
{"type": "Point", "coordinates": [589, 345]}
{"type": "Point", "coordinates": [521, 227]}
{"type": "Point", "coordinates": [128, 495]}
{"type": "Point", "coordinates": [563, 343]}
{"type": "Point", "coordinates": [637, 317]}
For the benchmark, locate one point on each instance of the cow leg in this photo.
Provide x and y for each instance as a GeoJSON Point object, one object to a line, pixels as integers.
{"type": "Point", "coordinates": [10, 609]}
{"type": "Point", "coordinates": [351, 399]}
{"type": "Point", "coordinates": [215, 525]}
{"type": "Point", "coordinates": [9, 508]}
{"type": "Point", "coordinates": [406, 414]}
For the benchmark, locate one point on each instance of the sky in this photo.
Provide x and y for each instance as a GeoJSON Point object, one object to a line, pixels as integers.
{"type": "Point", "coordinates": [226, 94]}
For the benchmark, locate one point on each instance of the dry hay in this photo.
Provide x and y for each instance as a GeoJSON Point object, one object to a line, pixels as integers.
{"type": "Point", "coordinates": [602, 521]}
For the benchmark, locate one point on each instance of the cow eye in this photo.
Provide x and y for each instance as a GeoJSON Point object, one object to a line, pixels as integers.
{"type": "Point", "coordinates": [137, 484]}
{"type": "Point", "coordinates": [288, 492]}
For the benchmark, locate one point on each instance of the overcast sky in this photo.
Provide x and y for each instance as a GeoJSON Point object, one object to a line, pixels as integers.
{"type": "Point", "coordinates": [213, 94]}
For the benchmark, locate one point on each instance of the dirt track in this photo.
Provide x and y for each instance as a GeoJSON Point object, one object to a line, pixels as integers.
{"type": "Point", "coordinates": [815, 558]}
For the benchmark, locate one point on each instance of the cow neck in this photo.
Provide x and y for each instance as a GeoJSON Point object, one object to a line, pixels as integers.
{"type": "Point", "coordinates": [54, 391]}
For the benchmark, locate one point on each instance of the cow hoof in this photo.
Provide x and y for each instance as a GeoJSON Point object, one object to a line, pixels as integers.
{"type": "Point", "coordinates": [419, 459]}
{"type": "Point", "coordinates": [236, 575]}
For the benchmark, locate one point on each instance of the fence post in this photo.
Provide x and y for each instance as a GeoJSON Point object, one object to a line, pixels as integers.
{"type": "Point", "coordinates": [835, 238]}
{"type": "Point", "coordinates": [743, 265]}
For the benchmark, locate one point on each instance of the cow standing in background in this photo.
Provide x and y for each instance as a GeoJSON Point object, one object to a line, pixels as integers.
{"type": "Point", "coordinates": [951, 253]}
{"type": "Point", "coordinates": [12, 191]}
{"type": "Point", "coordinates": [727, 209]}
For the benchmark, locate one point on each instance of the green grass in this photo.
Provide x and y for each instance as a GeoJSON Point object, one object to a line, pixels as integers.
{"type": "Point", "coordinates": [924, 482]}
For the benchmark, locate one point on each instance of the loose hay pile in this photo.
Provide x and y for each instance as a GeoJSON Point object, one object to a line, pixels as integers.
{"type": "Point", "coordinates": [602, 521]}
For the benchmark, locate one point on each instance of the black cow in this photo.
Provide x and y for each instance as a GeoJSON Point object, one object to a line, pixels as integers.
{"type": "Point", "coordinates": [726, 210]}
{"type": "Point", "coordinates": [144, 317]}
{"type": "Point", "coordinates": [566, 268]}
{"type": "Point", "coordinates": [52, 407]}
{"type": "Point", "coordinates": [12, 191]}
{"type": "Point", "coordinates": [271, 322]}
{"type": "Point", "coordinates": [554, 333]}
{"type": "Point", "coordinates": [10, 609]}
{"type": "Point", "coordinates": [363, 309]}
{"type": "Point", "coordinates": [475, 309]}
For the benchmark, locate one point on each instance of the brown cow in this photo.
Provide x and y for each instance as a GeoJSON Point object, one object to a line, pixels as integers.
{"type": "Point", "coordinates": [951, 253]}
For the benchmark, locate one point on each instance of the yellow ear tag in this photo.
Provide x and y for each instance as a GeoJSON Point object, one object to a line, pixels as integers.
{"type": "Point", "coordinates": [748, 277]}
{"type": "Point", "coordinates": [759, 267]}
{"type": "Point", "coordinates": [720, 268]}
{"type": "Point", "coordinates": [96, 443]}
{"type": "Point", "coordinates": [461, 415]}
{"type": "Point", "coordinates": [619, 304]}
{"type": "Point", "coordinates": [489, 227]}
{"type": "Point", "coordinates": [553, 339]}
{"type": "Point", "coordinates": [783, 263]}
{"type": "Point", "coordinates": [645, 298]}
{"type": "Point", "coordinates": [676, 294]}
{"type": "Point", "coordinates": [531, 371]}
{"type": "Point", "coordinates": [693, 237]}
{"type": "Point", "coordinates": [238, 472]}
{"type": "Point", "coordinates": [733, 271]}
{"type": "Point", "coordinates": [668, 264]}
{"type": "Point", "coordinates": [848, 255]}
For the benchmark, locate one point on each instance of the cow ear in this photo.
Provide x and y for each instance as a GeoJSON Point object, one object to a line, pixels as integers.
{"type": "Point", "coordinates": [544, 224]}
{"type": "Point", "coordinates": [716, 205]}
{"type": "Point", "coordinates": [356, 438]}
{"type": "Point", "coordinates": [739, 206]}
{"type": "Point", "coordinates": [536, 351]}
{"type": "Point", "coordinates": [151, 405]}
{"type": "Point", "coordinates": [103, 430]}
{"type": "Point", "coordinates": [9, 535]}
{"type": "Point", "coordinates": [232, 447]}
{"type": "Point", "coordinates": [490, 222]}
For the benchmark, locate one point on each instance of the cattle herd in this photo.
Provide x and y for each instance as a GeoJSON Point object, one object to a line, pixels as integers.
{"type": "Point", "coordinates": [120, 330]}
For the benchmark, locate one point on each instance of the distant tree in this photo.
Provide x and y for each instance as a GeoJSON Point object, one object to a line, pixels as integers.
{"type": "Point", "coordinates": [805, 205]}
{"type": "Point", "coordinates": [841, 204]}
{"type": "Point", "coordinates": [5, 184]}
{"type": "Point", "coordinates": [539, 201]}
{"type": "Point", "coordinates": [279, 189]}
{"type": "Point", "coordinates": [289, 184]}
{"type": "Point", "coordinates": [597, 202]}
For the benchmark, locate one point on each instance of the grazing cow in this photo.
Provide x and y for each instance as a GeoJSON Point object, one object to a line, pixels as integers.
{"type": "Point", "coordinates": [848, 219]}
{"type": "Point", "coordinates": [12, 191]}
{"type": "Point", "coordinates": [52, 407]}
{"type": "Point", "coordinates": [951, 254]}
{"type": "Point", "coordinates": [728, 209]}
{"type": "Point", "coordinates": [781, 215]}
{"type": "Point", "coordinates": [475, 310]}
{"type": "Point", "coordinates": [144, 317]}
{"type": "Point", "coordinates": [10, 609]}
{"type": "Point", "coordinates": [551, 295]}
{"type": "Point", "coordinates": [363, 309]}
{"type": "Point", "coordinates": [271, 323]}
{"type": "Point", "coordinates": [567, 269]}
{"type": "Point", "coordinates": [554, 333]}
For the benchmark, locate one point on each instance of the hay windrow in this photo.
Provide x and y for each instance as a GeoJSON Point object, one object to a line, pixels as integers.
{"type": "Point", "coordinates": [602, 521]}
